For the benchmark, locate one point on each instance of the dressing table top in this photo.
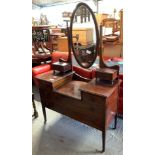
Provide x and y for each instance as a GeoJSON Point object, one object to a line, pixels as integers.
{"type": "Point", "coordinates": [65, 85]}
{"type": "Point", "coordinates": [50, 77]}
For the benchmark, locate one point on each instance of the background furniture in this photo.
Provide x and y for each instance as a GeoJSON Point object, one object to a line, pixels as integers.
{"type": "Point", "coordinates": [101, 17]}
{"type": "Point", "coordinates": [41, 47]}
{"type": "Point", "coordinates": [54, 36]}
{"type": "Point", "coordinates": [86, 35]}
{"type": "Point", "coordinates": [62, 44]}
{"type": "Point", "coordinates": [112, 41]}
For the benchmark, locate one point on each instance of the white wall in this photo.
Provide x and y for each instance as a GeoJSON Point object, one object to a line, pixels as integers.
{"type": "Point", "coordinates": [36, 12]}
{"type": "Point", "coordinates": [54, 13]}
{"type": "Point", "coordinates": [107, 6]}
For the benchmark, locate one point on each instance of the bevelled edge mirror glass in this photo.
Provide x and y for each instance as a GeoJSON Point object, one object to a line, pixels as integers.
{"type": "Point", "coordinates": [84, 35]}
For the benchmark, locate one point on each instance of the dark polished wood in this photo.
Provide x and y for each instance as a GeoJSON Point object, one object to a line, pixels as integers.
{"type": "Point", "coordinates": [41, 58]}
{"type": "Point", "coordinates": [106, 73]}
{"type": "Point", "coordinates": [86, 101]}
{"type": "Point", "coordinates": [62, 66]}
{"type": "Point", "coordinates": [41, 51]}
{"type": "Point", "coordinates": [35, 113]}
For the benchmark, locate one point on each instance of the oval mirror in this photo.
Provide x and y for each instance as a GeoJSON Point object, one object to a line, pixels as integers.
{"type": "Point", "coordinates": [84, 35]}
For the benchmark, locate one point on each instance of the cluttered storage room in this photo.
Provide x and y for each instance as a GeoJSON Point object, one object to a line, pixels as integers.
{"type": "Point", "coordinates": [77, 77]}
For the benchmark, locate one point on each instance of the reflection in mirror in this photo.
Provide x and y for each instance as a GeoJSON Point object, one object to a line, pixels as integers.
{"type": "Point", "coordinates": [84, 35]}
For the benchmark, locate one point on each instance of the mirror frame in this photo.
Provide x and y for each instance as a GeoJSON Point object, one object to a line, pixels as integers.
{"type": "Point", "coordinates": [96, 30]}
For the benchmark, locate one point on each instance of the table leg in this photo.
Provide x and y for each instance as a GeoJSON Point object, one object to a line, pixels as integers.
{"type": "Point", "coordinates": [103, 141]}
{"type": "Point", "coordinates": [44, 113]}
{"type": "Point", "coordinates": [115, 122]}
{"type": "Point", "coordinates": [104, 130]}
{"type": "Point", "coordinates": [115, 119]}
{"type": "Point", "coordinates": [35, 114]}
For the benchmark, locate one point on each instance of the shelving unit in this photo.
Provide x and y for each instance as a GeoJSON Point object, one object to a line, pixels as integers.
{"type": "Point", "coordinates": [54, 40]}
{"type": "Point", "coordinates": [112, 44]}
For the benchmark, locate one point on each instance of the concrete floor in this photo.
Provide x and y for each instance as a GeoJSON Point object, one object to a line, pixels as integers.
{"type": "Point", "coordinates": [64, 136]}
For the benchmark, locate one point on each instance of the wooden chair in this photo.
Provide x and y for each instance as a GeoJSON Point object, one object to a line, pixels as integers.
{"type": "Point", "coordinates": [41, 45]}
{"type": "Point", "coordinates": [109, 23]}
{"type": "Point", "coordinates": [115, 38]}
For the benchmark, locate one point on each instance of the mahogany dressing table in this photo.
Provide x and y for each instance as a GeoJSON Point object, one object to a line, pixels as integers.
{"type": "Point", "coordinates": [92, 102]}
